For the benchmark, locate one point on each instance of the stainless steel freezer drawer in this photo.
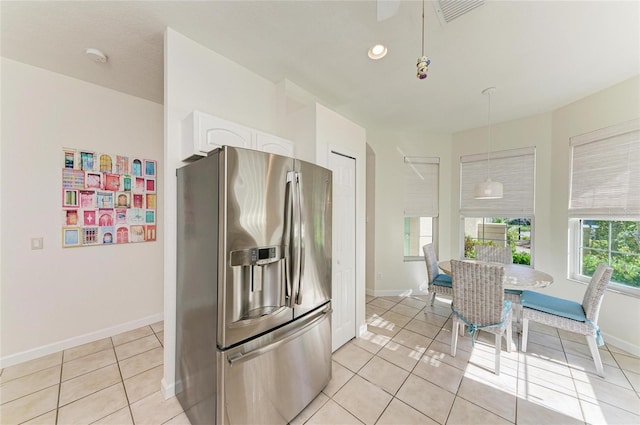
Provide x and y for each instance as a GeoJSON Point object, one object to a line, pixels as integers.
{"type": "Point", "coordinates": [270, 380]}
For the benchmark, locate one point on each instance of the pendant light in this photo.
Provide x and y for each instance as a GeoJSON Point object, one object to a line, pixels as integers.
{"type": "Point", "coordinates": [423, 61]}
{"type": "Point", "coordinates": [488, 189]}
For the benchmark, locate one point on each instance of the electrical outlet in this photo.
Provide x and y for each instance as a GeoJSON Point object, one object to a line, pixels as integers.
{"type": "Point", "coordinates": [36, 243]}
{"type": "Point", "coordinates": [378, 276]}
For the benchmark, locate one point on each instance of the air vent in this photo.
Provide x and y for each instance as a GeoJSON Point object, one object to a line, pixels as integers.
{"type": "Point", "coordinates": [448, 10]}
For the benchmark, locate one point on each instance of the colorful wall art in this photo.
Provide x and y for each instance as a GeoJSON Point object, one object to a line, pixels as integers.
{"type": "Point", "coordinates": [107, 199]}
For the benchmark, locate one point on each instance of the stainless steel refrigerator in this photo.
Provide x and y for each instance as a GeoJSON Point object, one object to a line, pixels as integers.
{"type": "Point", "coordinates": [253, 337]}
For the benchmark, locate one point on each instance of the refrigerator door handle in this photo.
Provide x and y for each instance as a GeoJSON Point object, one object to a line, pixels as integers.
{"type": "Point", "coordinates": [300, 245]}
{"type": "Point", "coordinates": [288, 238]}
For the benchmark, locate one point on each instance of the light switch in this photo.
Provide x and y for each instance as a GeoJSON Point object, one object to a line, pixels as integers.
{"type": "Point", "coordinates": [36, 243]}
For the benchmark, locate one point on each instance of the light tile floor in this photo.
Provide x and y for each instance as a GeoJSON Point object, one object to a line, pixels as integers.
{"type": "Point", "coordinates": [399, 372]}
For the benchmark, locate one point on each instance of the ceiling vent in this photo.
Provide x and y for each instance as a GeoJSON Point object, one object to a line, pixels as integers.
{"type": "Point", "coordinates": [448, 10]}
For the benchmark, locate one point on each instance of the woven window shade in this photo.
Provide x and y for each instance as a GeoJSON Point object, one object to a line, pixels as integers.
{"type": "Point", "coordinates": [515, 169]}
{"type": "Point", "coordinates": [421, 186]}
{"type": "Point", "coordinates": [605, 173]}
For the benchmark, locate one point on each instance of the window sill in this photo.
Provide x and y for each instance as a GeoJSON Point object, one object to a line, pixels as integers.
{"type": "Point", "coordinates": [410, 259]}
{"type": "Point", "coordinates": [616, 288]}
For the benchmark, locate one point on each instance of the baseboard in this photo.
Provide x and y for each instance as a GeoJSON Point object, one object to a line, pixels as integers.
{"type": "Point", "coordinates": [44, 350]}
{"type": "Point", "coordinates": [621, 344]}
{"type": "Point", "coordinates": [170, 390]}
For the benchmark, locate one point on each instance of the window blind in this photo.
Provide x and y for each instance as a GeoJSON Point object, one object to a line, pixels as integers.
{"type": "Point", "coordinates": [605, 172]}
{"type": "Point", "coordinates": [514, 168]}
{"type": "Point", "coordinates": [421, 182]}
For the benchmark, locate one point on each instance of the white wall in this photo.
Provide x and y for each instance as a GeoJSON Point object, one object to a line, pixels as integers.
{"type": "Point", "coordinates": [550, 133]}
{"type": "Point", "coordinates": [56, 298]}
{"type": "Point", "coordinates": [619, 313]}
{"type": "Point", "coordinates": [395, 275]}
{"type": "Point", "coordinates": [198, 78]}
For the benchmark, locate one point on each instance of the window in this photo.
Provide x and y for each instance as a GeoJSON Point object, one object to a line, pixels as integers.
{"type": "Point", "coordinates": [499, 231]}
{"type": "Point", "coordinates": [604, 205]}
{"type": "Point", "coordinates": [420, 204]}
{"type": "Point", "coordinates": [508, 221]}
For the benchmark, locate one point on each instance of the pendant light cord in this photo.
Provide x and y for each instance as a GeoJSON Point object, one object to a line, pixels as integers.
{"type": "Point", "coordinates": [489, 144]}
{"type": "Point", "coordinates": [422, 39]}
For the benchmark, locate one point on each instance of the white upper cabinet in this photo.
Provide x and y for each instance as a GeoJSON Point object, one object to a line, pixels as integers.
{"type": "Point", "coordinates": [202, 133]}
{"type": "Point", "coordinates": [273, 144]}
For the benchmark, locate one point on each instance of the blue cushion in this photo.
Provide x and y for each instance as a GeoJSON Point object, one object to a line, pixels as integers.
{"type": "Point", "coordinates": [553, 305]}
{"type": "Point", "coordinates": [442, 280]}
{"type": "Point", "coordinates": [513, 291]}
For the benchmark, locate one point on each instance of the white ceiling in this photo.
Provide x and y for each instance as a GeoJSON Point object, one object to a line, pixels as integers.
{"type": "Point", "coordinates": [539, 54]}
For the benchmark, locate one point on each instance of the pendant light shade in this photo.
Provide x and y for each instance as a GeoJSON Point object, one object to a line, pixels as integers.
{"type": "Point", "coordinates": [488, 189]}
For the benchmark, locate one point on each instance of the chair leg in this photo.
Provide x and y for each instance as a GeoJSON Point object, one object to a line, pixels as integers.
{"type": "Point", "coordinates": [433, 297]}
{"type": "Point", "coordinates": [498, 350]}
{"type": "Point", "coordinates": [595, 353]}
{"type": "Point", "coordinates": [525, 334]}
{"type": "Point", "coordinates": [509, 337]}
{"type": "Point", "coordinates": [454, 337]}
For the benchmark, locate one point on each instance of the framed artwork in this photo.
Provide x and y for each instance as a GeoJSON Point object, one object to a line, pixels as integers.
{"type": "Point", "coordinates": [89, 218]}
{"type": "Point", "coordinates": [90, 235]}
{"type": "Point", "coordinates": [111, 182]}
{"type": "Point", "coordinates": [70, 198]}
{"type": "Point", "coordinates": [136, 233]}
{"type": "Point", "coordinates": [136, 216]}
{"type": "Point", "coordinates": [86, 161]}
{"type": "Point", "coordinates": [122, 234]}
{"type": "Point", "coordinates": [69, 158]}
{"type": "Point", "coordinates": [121, 216]}
{"type": "Point", "coordinates": [138, 200]}
{"type": "Point", "coordinates": [87, 199]}
{"type": "Point", "coordinates": [70, 236]}
{"type": "Point", "coordinates": [150, 216]}
{"type": "Point", "coordinates": [71, 218]}
{"type": "Point", "coordinates": [136, 167]}
{"type": "Point", "coordinates": [105, 218]}
{"type": "Point", "coordinates": [139, 186]}
{"type": "Point", "coordinates": [150, 185]}
{"type": "Point", "coordinates": [122, 164]}
{"type": "Point", "coordinates": [72, 179]}
{"type": "Point", "coordinates": [107, 199]}
{"type": "Point", "coordinates": [123, 199]}
{"type": "Point", "coordinates": [149, 168]}
{"type": "Point", "coordinates": [150, 233]}
{"type": "Point", "coordinates": [104, 199]}
{"type": "Point", "coordinates": [126, 183]}
{"type": "Point", "coordinates": [151, 201]}
{"type": "Point", "coordinates": [107, 235]}
{"type": "Point", "coordinates": [93, 181]}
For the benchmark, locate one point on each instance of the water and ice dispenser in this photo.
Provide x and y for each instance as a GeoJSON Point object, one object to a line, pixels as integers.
{"type": "Point", "coordinates": [258, 282]}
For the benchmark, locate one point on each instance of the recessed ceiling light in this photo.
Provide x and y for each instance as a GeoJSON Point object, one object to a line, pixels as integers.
{"type": "Point", "coordinates": [96, 55]}
{"type": "Point", "coordinates": [377, 52]}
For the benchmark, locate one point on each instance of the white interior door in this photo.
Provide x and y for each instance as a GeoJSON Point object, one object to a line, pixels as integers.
{"type": "Point", "coordinates": [343, 288]}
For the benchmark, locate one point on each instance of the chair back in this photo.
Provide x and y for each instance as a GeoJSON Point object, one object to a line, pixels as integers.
{"type": "Point", "coordinates": [494, 254]}
{"type": "Point", "coordinates": [595, 291]}
{"type": "Point", "coordinates": [478, 291]}
{"type": "Point", "coordinates": [432, 261]}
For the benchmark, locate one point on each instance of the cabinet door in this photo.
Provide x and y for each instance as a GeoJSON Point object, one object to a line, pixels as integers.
{"type": "Point", "coordinates": [273, 144]}
{"type": "Point", "coordinates": [216, 132]}
{"type": "Point", "coordinates": [203, 133]}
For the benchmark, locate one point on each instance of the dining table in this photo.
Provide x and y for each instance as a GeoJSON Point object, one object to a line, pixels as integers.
{"type": "Point", "coordinates": [517, 276]}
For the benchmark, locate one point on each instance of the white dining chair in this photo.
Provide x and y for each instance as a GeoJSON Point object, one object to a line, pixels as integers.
{"type": "Point", "coordinates": [438, 283]}
{"type": "Point", "coordinates": [581, 318]}
{"type": "Point", "coordinates": [479, 303]}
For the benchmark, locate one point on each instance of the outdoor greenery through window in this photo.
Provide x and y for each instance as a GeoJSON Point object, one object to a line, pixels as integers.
{"type": "Point", "coordinates": [616, 243]}
{"type": "Point", "coordinates": [513, 232]}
